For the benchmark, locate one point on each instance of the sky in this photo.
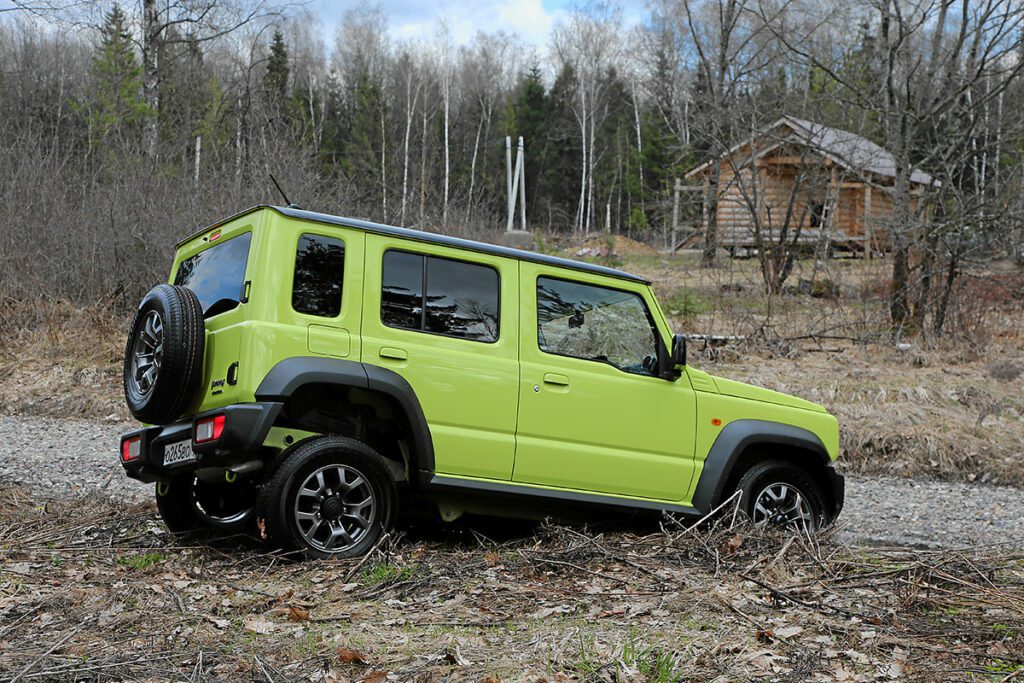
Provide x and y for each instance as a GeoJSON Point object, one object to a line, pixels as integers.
{"type": "Point", "coordinates": [532, 20]}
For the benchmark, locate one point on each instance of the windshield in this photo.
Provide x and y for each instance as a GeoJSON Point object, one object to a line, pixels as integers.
{"type": "Point", "coordinates": [217, 274]}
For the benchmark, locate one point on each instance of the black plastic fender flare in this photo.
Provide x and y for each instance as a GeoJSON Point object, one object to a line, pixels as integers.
{"type": "Point", "coordinates": [289, 375]}
{"type": "Point", "coordinates": [734, 438]}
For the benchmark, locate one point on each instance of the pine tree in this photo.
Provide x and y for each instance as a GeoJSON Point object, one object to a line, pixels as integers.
{"type": "Point", "coordinates": [117, 104]}
{"type": "Point", "coordinates": [275, 82]}
{"type": "Point", "coordinates": [529, 119]}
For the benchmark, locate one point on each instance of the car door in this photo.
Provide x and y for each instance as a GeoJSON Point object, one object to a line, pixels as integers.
{"type": "Point", "coordinates": [591, 417]}
{"type": "Point", "coordinates": [447, 321]}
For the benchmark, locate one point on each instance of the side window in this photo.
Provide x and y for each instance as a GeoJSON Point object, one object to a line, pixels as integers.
{"type": "Point", "coordinates": [595, 323]}
{"type": "Point", "coordinates": [439, 296]}
{"type": "Point", "coordinates": [319, 267]}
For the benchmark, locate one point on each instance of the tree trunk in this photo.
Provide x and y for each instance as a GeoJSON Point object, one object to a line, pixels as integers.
{"type": "Point", "coordinates": [583, 165]}
{"type": "Point", "coordinates": [383, 165]}
{"type": "Point", "coordinates": [151, 73]}
{"type": "Point", "coordinates": [924, 293]}
{"type": "Point", "coordinates": [447, 101]}
{"type": "Point", "coordinates": [709, 259]}
{"type": "Point", "coordinates": [940, 311]}
{"type": "Point", "coordinates": [472, 165]}
{"type": "Point", "coordinates": [899, 309]}
{"type": "Point", "coordinates": [423, 170]}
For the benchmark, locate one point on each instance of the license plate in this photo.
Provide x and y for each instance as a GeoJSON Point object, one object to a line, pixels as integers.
{"type": "Point", "coordinates": [178, 452]}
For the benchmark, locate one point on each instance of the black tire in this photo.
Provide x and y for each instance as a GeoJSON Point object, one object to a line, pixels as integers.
{"type": "Point", "coordinates": [190, 505]}
{"type": "Point", "coordinates": [163, 359]}
{"type": "Point", "coordinates": [779, 494]}
{"type": "Point", "coordinates": [352, 474]}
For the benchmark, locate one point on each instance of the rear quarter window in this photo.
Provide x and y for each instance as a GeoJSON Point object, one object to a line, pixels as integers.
{"type": "Point", "coordinates": [319, 270]}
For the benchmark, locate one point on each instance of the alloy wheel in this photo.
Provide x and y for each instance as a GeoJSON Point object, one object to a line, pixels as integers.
{"type": "Point", "coordinates": [334, 508]}
{"type": "Point", "coordinates": [783, 505]}
{"type": "Point", "coordinates": [148, 353]}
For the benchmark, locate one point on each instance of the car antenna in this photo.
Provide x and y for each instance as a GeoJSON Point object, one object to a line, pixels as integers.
{"type": "Point", "coordinates": [278, 186]}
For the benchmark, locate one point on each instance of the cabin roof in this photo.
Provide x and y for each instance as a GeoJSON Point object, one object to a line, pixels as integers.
{"type": "Point", "coordinates": [432, 238]}
{"type": "Point", "coordinates": [852, 151]}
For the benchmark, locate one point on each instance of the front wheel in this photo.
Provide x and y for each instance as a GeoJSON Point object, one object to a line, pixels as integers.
{"type": "Point", "coordinates": [778, 494]}
{"type": "Point", "coordinates": [330, 497]}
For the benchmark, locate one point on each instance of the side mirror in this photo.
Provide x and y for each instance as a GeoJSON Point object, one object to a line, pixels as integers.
{"type": "Point", "coordinates": [678, 350]}
{"type": "Point", "coordinates": [669, 361]}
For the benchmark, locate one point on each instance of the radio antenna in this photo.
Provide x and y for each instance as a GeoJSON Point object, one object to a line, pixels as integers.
{"type": "Point", "coordinates": [278, 186]}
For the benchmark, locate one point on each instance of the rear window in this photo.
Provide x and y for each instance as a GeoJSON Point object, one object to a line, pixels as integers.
{"type": "Point", "coordinates": [217, 274]}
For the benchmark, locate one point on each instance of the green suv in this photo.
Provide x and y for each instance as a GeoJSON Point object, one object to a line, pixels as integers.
{"type": "Point", "coordinates": [320, 375]}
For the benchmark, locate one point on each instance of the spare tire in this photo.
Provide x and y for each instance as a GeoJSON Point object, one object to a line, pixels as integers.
{"type": "Point", "coordinates": [163, 360]}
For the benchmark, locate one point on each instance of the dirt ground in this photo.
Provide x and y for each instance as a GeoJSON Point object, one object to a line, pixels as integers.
{"type": "Point", "coordinates": [93, 591]}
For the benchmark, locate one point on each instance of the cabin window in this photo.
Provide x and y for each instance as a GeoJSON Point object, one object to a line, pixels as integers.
{"type": "Point", "coordinates": [817, 214]}
{"type": "Point", "coordinates": [439, 296]}
{"type": "Point", "coordinates": [595, 323]}
{"type": "Point", "coordinates": [319, 267]}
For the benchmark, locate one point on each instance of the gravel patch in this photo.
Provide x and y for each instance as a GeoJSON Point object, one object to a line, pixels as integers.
{"type": "Point", "coordinates": [67, 458]}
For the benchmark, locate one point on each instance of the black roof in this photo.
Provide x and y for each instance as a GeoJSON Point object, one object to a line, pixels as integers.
{"type": "Point", "coordinates": [432, 238]}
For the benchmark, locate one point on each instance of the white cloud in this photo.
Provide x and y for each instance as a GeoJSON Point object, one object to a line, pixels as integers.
{"type": "Point", "coordinates": [528, 18]}
{"type": "Point", "coordinates": [412, 19]}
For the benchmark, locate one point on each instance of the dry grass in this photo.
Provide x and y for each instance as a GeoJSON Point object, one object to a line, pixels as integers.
{"type": "Point", "coordinates": [61, 360]}
{"type": "Point", "coordinates": [96, 592]}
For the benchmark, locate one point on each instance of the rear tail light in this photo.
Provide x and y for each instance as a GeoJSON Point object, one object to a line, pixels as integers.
{"type": "Point", "coordinates": [131, 449]}
{"type": "Point", "coordinates": [209, 428]}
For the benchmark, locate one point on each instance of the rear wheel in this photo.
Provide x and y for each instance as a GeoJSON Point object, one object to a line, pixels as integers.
{"type": "Point", "coordinates": [779, 494]}
{"type": "Point", "coordinates": [189, 504]}
{"type": "Point", "coordinates": [329, 497]}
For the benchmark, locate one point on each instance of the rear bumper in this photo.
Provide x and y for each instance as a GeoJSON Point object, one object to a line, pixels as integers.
{"type": "Point", "coordinates": [245, 428]}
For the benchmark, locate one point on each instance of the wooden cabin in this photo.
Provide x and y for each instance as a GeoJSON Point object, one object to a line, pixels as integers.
{"type": "Point", "coordinates": [828, 189]}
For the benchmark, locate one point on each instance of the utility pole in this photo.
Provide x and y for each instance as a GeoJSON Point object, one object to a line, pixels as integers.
{"type": "Point", "coordinates": [516, 183]}
{"type": "Point", "coordinates": [675, 217]}
{"type": "Point", "coordinates": [521, 163]}
{"type": "Point", "coordinates": [508, 177]}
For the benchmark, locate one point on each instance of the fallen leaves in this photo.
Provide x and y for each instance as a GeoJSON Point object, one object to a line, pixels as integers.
{"type": "Point", "coordinates": [549, 606]}
{"type": "Point", "coordinates": [348, 656]}
{"type": "Point", "coordinates": [297, 614]}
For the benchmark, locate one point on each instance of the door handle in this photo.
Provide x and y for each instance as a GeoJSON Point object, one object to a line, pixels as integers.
{"type": "Point", "coordinates": [393, 353]}
{"type": "Point", "coordinates": [552, 378]}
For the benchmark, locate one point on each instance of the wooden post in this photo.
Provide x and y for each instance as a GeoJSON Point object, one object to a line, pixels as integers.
{"type": "Point", "coordinates": [675, 217]}
{"type": "Point", "coordinates": [869, 228]}
{"type": "Point", "coordinates": [706, 194]}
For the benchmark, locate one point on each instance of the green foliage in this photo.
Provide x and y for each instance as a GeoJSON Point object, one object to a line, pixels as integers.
{"type": "Point", "coordinates": [387, 572]}
{"type": "Point", "coordinates": [638, 221]}
{"type": "Point", "coordinates": [141, 561]}
{"type": "Point", "coordinates": [656, 664]}
{"type": "Point", "coordinates": [116, 105]}
{"type": "Point", "coordinates": [275, 81]}
{"type": "Point", "coordinates": [683, 303]}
